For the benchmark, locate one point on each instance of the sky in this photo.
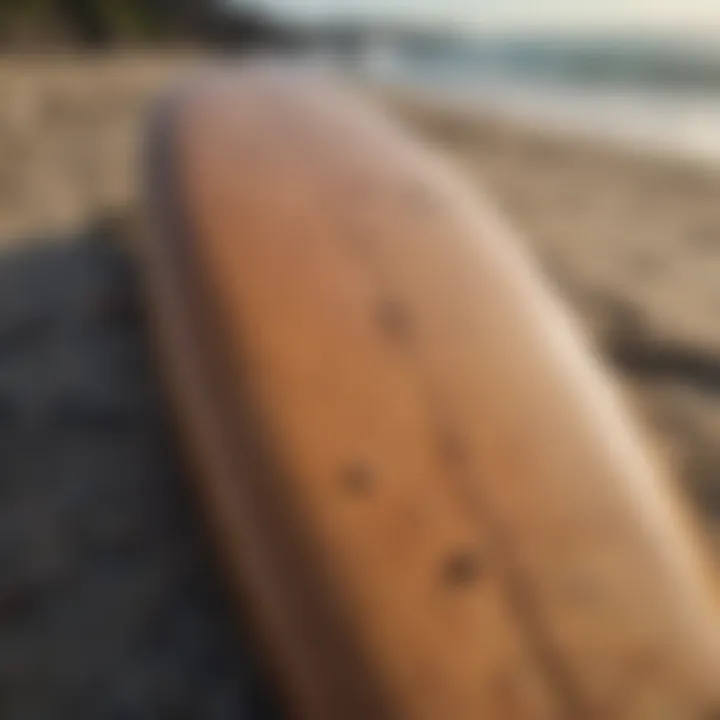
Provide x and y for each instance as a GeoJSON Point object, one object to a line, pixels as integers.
{"type": "Point", "coordinates": [703, 15]}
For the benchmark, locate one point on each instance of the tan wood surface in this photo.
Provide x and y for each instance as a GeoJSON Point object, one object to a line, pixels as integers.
{"type": "Point", "coordinates": [423, 484]}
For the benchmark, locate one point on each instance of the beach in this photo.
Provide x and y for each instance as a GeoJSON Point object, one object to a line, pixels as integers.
{"type": "Point", "coordinates": [630, 239]}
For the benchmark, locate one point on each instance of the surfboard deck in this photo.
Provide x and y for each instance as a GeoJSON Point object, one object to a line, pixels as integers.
{"type": "Point", "coordinates": [422, 482]}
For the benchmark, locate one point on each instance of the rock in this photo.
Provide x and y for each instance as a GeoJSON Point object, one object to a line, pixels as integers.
{"type": "Point", "coordinates": [109, 603]}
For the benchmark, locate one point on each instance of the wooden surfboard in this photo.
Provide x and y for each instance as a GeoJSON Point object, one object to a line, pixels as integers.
{"type": "Point", "coordinates": [421, 481]}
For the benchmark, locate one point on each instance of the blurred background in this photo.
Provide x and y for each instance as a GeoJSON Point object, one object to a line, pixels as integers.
{"type": "Point", "coordinates": [594, 124]}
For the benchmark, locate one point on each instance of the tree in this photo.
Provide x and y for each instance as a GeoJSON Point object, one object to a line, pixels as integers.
{"type": "Point", "coordinates": [103, 21]}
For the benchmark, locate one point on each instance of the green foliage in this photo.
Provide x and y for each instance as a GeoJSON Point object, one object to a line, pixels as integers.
{"type": "Point", "coordinates": [91, 21]}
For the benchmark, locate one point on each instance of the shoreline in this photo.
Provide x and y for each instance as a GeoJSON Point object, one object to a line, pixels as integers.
{"type": "Point", "coordinates": [567, 120]}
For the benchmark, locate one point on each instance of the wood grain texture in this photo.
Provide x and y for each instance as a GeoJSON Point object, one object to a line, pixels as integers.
{"type": "Point", "coordinates": [421, 480]}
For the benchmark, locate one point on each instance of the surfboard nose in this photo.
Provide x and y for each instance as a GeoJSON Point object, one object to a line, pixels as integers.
{"type": "Point", "coordinates": [422, 482]}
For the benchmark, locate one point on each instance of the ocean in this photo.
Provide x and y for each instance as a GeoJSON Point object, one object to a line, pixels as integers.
{"type": "Point", "coordinates": [653, 93]}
